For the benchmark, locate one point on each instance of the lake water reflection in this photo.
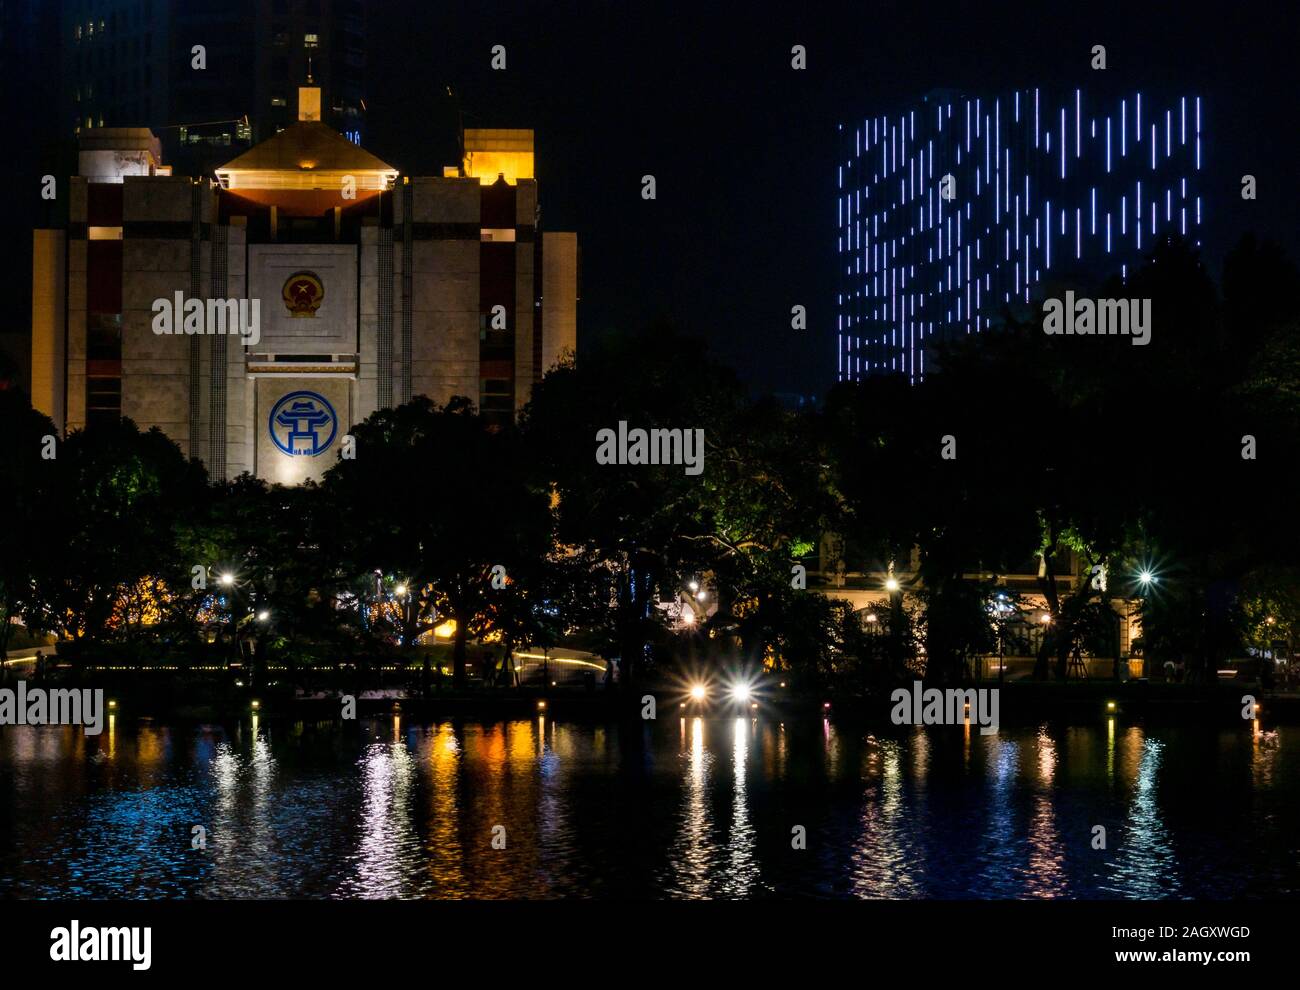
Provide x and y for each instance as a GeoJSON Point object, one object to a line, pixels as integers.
{"type": "Point", "coordinates": [689, 808]}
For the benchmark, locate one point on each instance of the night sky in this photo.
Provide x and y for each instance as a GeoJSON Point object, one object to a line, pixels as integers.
{"type": "Point", "coordinates": [744, 149]}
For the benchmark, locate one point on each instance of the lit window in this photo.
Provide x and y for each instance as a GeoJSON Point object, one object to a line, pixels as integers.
{"type": "Point", "coordinates": [278, 101]}
{"type": "Point", "coordinates": [311, 41]}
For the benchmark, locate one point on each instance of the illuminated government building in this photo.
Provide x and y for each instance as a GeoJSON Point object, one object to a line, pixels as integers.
{"type": "Point", "coordinates": [1045, 191]}
{"type": "Point", "coordinates": [372, 286]}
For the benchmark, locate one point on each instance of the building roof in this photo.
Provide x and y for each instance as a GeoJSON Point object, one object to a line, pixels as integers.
{"type": "Point", "coordinates": [307, 145]}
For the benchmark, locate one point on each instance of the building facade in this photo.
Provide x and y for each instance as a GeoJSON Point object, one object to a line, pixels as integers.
{"type": "Point", "coordinates": [255, 316]}
{"type": "Point", "coordinates": [962, 207]}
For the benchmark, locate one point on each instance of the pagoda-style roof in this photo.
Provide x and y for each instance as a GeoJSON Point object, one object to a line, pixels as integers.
{"type": "Point", "coordinates": [305, 155]}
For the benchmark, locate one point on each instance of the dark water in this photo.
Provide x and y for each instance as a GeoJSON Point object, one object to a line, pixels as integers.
{"type": "Point", "coordinates": [676, 809]}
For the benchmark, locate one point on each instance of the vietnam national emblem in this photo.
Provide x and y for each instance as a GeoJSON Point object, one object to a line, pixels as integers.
{"type": "Point", "coordinates": [303, 293]}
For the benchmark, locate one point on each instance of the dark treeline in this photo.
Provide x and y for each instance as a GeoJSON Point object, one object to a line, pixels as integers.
{"type": "Point", "coordinates": [1067, 448]}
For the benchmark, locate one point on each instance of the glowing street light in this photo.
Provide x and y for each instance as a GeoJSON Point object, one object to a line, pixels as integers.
{"type": "Point", "coordinates": [694, 586]}
{"type": "Point", "coordinates": [698, 692]}
{"type": "Point", "coordinates": [740, 692]}
{"type": "Point", "coordinates": [226, 579]}
{"type": "Point", "coordinates": [400, 591]}
{"type": "Point", "coordinates": [1146, 577]}
{"type": "Point", "coordinates": [263, 615]}
{"type": "Point", "coordinates": [891, 584]}
{"type": "Point", "coordinates": [701, 595]}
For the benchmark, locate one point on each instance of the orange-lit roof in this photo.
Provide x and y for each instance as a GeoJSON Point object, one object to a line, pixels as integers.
{"type": "Point", "coordinates": [306, 154]}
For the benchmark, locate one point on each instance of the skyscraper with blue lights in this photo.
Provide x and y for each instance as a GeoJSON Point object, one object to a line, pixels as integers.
{"type": "Point", "coordinates": [962, 207]}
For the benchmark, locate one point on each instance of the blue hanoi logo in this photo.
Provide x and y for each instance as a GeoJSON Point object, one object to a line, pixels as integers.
{"type": "Point", "coordinates": [303, 424]}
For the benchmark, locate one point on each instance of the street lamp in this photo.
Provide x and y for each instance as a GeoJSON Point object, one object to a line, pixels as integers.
{"type": "Point", "coordinates": [226, 579]}
{"type": "Point", "coordinates": [891, 584]}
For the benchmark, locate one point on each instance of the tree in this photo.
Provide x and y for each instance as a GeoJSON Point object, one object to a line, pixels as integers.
{"type": "Point", "coordinates": [634, 525]}
{"type": "Point", "coordinates": [23, 505]}
{"type": "Point", "coordinates": [441, 500]}
{"type": "Point", "coordinates": [105, 483]}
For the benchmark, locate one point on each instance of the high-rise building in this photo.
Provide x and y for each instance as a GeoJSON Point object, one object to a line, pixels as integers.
{"type": "Point", "coordinates": [29, 55]}
{"type": "Point", "coordinates": [960, 208]}
{"type": "Point", "coordinates": [256, 316]}
{"type": "Point", "coordinates": [209, 76]}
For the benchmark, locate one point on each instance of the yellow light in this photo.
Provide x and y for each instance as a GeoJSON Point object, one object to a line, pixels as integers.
{"type": "Point", "coordinates": [493, 152]}
{"type": "Point", "coordinates": [446, 630]}
{"type": "Point", "coordinates": [487, 166]}
{"type": "Point", "coordinates": [1110, 706]}
{"type": "Point", "coordinates": [112, 704]}
{"type": "Point", "coordinates": [697, 692]}
{"type": "Point", "coordinates": [891, 584]}
{"type": "Point", "coordinates": [400, 591]}
{"type": "Point", "coordinates": [256, 704]}
{"type": "Point", "coordinates": [541, 706]}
